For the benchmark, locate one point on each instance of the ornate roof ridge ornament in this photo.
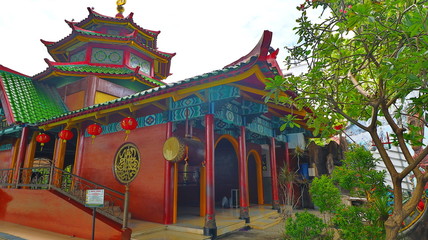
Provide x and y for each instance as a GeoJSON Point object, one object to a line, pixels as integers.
{"type": "Point", "coordinates": [120, 8]}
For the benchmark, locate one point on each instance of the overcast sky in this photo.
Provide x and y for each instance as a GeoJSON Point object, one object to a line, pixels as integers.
{"type": "Point", "coordinates": [205, 35]}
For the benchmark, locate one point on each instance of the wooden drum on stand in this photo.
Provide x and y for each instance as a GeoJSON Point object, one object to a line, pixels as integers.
{"type": "Point", "coordinates": [177, 149]}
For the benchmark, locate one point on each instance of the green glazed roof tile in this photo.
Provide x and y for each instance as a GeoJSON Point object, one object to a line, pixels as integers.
{"type": "Point", "coordinates": [92, 33]}
{"type": "Point", "coordinates": [30, 102]}
{"type": "Point", "coordinates": [103, 70]}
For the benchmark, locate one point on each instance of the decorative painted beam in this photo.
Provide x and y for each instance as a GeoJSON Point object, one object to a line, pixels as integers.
{"type": "Point", "coordinates": [270, 105]}
{"type": "Point", "coordinates": [160, 106]}
{"type": "Point", "coordinates": [252, 108]}
{"type": "Point", "coordinates": [255, 70]}
{"type": "Point", "coordinates": [261, 126]}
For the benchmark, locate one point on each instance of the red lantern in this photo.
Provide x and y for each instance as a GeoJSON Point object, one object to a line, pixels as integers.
{"type": "Point", "coordinates": [65, 135]}
{"type": "Point", "coordinates": [128, 124]}
{"type": "Point", "coordinates": [94, 130]}
{"type": "Point", "coordinates": [43, 138]}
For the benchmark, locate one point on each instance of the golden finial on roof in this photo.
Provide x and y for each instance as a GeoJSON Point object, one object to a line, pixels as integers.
{"type": "Point", "coordinates": [120, 8]}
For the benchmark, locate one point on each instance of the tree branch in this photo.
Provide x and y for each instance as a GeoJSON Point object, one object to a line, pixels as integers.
{"type": "Point", "coordinates": [410, 205]}
{"type": "Point", "coordinates": [413, 164]}
{"type": "Point", "coordinates": [357, 85]}
{"type": "Point", "coordinates": [384, 155]}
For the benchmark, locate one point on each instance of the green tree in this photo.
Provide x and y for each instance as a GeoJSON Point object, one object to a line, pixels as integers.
{"type": "Point", "coordinates": [358, 174]}
{"type": "Point", "coordinates": [365, 58]}
{"type": "Point", "coordinates": [359, 177]}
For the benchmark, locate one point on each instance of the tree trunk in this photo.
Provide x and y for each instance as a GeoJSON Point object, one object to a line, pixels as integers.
{"type": "Point", "coordinates": [392, 226]}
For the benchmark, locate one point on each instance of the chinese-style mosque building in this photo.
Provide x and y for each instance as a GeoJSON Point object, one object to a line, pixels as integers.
{"type": "Point", "coordinates": [101, 117]}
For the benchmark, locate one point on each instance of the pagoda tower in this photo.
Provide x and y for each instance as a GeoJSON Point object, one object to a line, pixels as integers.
{"type": "Point", "coordinates": [104, 58]}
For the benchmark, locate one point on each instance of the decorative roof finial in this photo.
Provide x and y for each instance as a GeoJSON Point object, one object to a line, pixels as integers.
{"type": "Point", "coordinates": [120, 8]}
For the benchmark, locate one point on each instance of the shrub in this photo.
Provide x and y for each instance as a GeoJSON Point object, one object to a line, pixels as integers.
{"type": "Point", "coordinates": [325, 194]}
{"type": "Point", "coordinates": [305, 226]}
{"type": "Point", "coordinates": [357, 223]}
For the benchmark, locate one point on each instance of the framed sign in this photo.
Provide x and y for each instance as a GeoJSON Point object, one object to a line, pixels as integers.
{"type": "Point", "coordinates": [94, 198]}
{"type": "Point", "coordinates": [126, 163]}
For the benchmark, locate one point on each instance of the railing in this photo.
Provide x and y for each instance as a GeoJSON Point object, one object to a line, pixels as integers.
{"type": "Point", "coordinates": [75, 187]}
{"type": "Point", "coordinates": [66, 183]}
{"type": "Point", "coordinates": [416, 214]}
{"type": "Point", "coordinates": [34, 178]}
{"type": "Point", "coordinates": [6, 177]}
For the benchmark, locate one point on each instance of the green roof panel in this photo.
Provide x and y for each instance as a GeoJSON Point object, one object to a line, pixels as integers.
{"type": "Point", "coordinates": [104, 70]}
{"type": "Point", "coordinates": [31, 102]}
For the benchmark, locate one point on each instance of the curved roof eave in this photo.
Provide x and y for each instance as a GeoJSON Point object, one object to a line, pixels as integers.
{"type": "Point", "coordinates": [128, 19]}
{"type": "Point", "coordinates": [167, 88]}
{"type": "Point", "coordinates": [102, 71]}
{"type": "Point", "coordinates": [95, 36]}
{"type": "Point", "coordinates": [262, 56]}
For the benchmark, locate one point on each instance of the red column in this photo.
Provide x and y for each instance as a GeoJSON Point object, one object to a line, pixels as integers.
{"type": "Point", "coordinates": [210, 227]}
{"type": "Point", "coordinates": [275, 197]}
{"type": "Point", "coordinates": [168, 184]}
{"type": "Point", "coordinates": [79, 153]}
{"type": "Point", "coordinates": [243, 178]}
{"type": "Point", "coordinates": [21, 153]}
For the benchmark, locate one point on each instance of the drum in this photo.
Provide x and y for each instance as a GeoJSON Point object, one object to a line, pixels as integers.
{"type": "Point", "coordinates": [177, 149]}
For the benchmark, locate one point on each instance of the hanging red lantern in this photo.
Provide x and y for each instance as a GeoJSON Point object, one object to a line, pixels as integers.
{"type": "Point", "coordinates": [128, 124]}
{"type": "Point", "coordinates": [94, 130]}
{"type": "Point", "coordinates": [65, 135]}
{"type": "Point", "coordinates": [43, 138]}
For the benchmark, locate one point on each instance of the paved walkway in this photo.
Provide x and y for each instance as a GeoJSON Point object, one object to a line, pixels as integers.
{"type": "Point", "coordinates": [275, 232]}
{"type": "Point", "coordinates": [11, 231]}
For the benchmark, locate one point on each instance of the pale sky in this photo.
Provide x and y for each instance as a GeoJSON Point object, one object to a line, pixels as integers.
{"type": "Point", "coordinates": [205, 35]}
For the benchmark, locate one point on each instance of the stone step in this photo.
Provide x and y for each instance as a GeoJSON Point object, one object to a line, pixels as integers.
{"type": "Point", "coordinates": [148, 229]}
{"type": "Point", "coordinates": [192, 230]}
{"type": "Point", "coordinates": [231, 228]}
{"type": "Point", "coordinates": [266, 214]}
{"type": "Point", "coordinates": [169, 235]}
{"type": "Point", "coordinates": [265, 221]}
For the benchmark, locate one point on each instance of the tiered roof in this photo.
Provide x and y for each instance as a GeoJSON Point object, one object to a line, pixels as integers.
{"type": "Point", "coordinates": [59, 74]}
{"type": "Point", "coordinates": [257, 61]}
{"type": "Point", "coordinates": [30, 101]}
{"type": "Point", "coordinates": [112, 33]}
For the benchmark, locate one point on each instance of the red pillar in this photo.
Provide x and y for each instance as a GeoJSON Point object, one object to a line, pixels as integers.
{"type": "Point", "coordinates": [21, 153]}
{"type": "Point", "coordinates": [275, 197]}
{"type": "Point", "coordinates": [79, 153]}
{"type": "Point", "coordinates": [168, 184]}
{"type": "Point", "coordinates": [210, 227]}
{"type": "Point", "coordinates": [243, 178]}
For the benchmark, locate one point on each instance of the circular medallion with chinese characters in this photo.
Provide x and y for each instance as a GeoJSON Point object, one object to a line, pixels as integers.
{"type": "Point", "coordinates": [126, 163]}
